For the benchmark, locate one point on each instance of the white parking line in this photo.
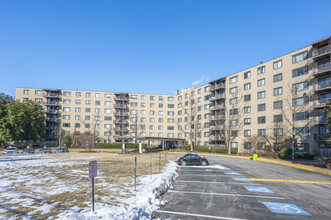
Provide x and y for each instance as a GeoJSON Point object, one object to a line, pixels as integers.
{"type": "Point", "coordinates": [226, 194]}
{"type": "Point", "coordinates": [217, 174]}
{"type": "Point", "coordinates": [193, 181]}
{"type": "Point", "coordinates": [197, 215]}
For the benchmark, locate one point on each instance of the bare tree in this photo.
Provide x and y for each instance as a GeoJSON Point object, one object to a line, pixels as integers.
{"type": "Point", "coordinates": [296, 105]}
{"type": "Point", "coordinates": [234, 120]}
{"type": "Point", "coordinates": [190, 125]}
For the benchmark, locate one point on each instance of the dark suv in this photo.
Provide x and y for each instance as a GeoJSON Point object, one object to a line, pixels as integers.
{"type": "Point", "coordinates": [192, 159]}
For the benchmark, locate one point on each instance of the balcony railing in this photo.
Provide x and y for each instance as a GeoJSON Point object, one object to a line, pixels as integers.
{"type": "Point", "coordinates": [322, 85]}
{"type": "Point", "coordinates": [216, 137]}
{"type": "Point", "coordinates": [322, 68]}
{"type": "Point", "coordinates": [217, 96]}
{"type": "Point", "coordinates": [121, 129]}
{"type": "Point", "coordinates": [321, 103]}
{"type": "Point", "coordinates": [51, 127]}
{"type": "Point", "coordinates": [52, 119]}
{"type": "Point", "coordinates": [121, 106]}
{"type": "Point", "coordinates": [121, 98]}
{"type": "Point", "coordinates": [217, 127]}
{"type": "Point", "coordinates": [51, 95]}
{"type": "Point", "coordinates": [321, 51]}
{"type": "Point", "coordinates": [51, 103]}
{"type": "Point", "coordinates": [217, 117]}
{"type": "Point", "coordinates": [217, 86]}
{"type": "Point", "coordinates": [216, 107]}
{"type": "Point", "coordinates": [52, 112]}
{"type": "Point", "coordinates": [120, 113]}
{"type": "Point", "coordinates": [321, 120]}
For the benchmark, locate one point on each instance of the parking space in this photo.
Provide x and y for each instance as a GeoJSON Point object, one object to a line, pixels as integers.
{"type": "Point", "coordinates": [227, 190]}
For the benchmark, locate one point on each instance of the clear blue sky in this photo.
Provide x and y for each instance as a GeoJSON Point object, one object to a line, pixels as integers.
{"type": "Point", "coordinates": [151, 46]}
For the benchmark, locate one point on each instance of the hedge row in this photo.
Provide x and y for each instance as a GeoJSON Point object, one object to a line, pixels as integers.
{"type": "Point", "coordinates": [119, 145]}
{"type": "Point", "coordinates": [286, 154]}
{"type": "Point", "coordinates": [211, 149]}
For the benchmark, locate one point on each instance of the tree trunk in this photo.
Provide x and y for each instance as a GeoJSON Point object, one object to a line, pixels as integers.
{"type": "Point", "coordinates": [293, 141]}
{"type": "Point", "coordinates": [229, 147]}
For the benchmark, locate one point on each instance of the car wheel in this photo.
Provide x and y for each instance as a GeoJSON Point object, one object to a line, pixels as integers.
{"type": "Point", "coordinates": [204, 163]}
{"type": "Point", "coordinates": [184, 163]}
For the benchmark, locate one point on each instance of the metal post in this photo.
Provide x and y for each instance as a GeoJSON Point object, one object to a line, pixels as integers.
{"type": "Point", "coordinates": [150, 168]}
{"type": "Point", "coordinates": [93, 194]}
{"type": "Point", "coordinates": [135, 176]}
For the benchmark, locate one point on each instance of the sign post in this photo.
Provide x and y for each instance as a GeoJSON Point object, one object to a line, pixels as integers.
{"type": "Point", "coordinates": [92, 174]}
{"type": "Point", "coordinates": [135, 175]}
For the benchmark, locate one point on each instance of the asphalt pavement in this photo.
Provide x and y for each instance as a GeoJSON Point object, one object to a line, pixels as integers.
{"type": "Point", "coordinates": [232, 188]}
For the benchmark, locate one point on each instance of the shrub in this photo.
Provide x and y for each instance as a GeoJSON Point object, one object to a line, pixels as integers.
{"type": "Point", "coordinates": [66, 140]}
{"type": "Point", "coordinates": [119, 145]}
{"type": "Point", "coordinates": [285, 153]}
{"type": "Point", "coordinates": [211, 149]}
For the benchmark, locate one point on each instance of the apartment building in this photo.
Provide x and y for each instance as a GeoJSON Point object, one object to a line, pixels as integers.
{"type": "Point", "coordinates": [261, 105]}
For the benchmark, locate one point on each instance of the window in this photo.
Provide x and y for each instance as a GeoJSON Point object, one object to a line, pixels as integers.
{"type": "Point", "coordinates": [66, 117]}
{"type": "Point", "coordinates": [66, 101]}
{"type": "Point", "coordinates": [247, 75]}
{"type": "Point", "coordinates": [278, 104]}
{"type": "Point", "coordinates": [300, 86]}
{"type": "Point", "coordinates": [106, 133]}
{"type": "Point", "coordinates": [206, 134]}
{"type": "Point", "coordinates": [170, 135]}
{"type": "Point", "coordinates": [143, 97]}
{"type": "Point", "coordinates": [247, 109]}
{"type": "Point", "coordinates": [77, 117]}
{"type": "Point", "coordinates": [152, 98]}
{"type": "Point", "coordinates": [160, 134]}
{"type": "Point", "coordinates": [299, 57]}
{"type": "Point", "coordinates": [78, 94]}
{"type": "Point", "coordinates": [233, 101]}
{"type": "Point", "coordinates": [234, 133]}
{"type": "Point", "coordinates": [278, 91]}
{"type": "Point", "coordinates": [260, 70]}
{"type": "Point", "coordinates": [96, 118]}
{"type": "Point", "coordinates": [38, 100]}
{"type": "Point", "coordinates": [160, 120]}
{"type": "Point", "coordinates": [233, 79]}
{"type": "Point", "coordinates": [97, 102]}
{"type": "Point", "coordinates": [302, 131]}
{"type": "Point", "coordinates": [278, 77]}
{"type": "Point", "coordinates": [278, 64]}
{"type": "Point", "coordinates": [77, 109]}
{"type": "Point", "coordinates": [160, 105]}
{"type": "Point", "coordinates": [143, 104]}
{"type": "Point", "coordinates": [261, 95]}
{"type": "Point", "coordinates": [171, 128]}
{"type": "Point", "coordinates": [160, 127]}
{"type": "Point", "coordinates": [26, 92]}
{"type": "Point", "coordinates": [38, 92]}
{"type": "Point", "coordinates": [152, 112]}
{"type": "Point", "coordinates": [78, 102]}
{"type": "Point", "coordinates": [207, 88]}
{"type": "Point", "coordinates": [247, 145]}
{"type": "Point", "coordinates": [171, 99]}
{"type": "Point", "coordinates": [161, 98]}
{"type": "Point", "coordinates": [278, 131]}
{"type": "Point", "coordinates": [67, 94]}
{"type": "Point", "coordinates": [278, 118]}
{"type": "Point", "coordinates": [66, 125]}
{"type": "Point", "coordinates": [261, 145]}
{"type": "Point", "coordinates": [247, 121]}
{"type": "Point", "coordinates": [134, 97]}
{"type": "Point", "coordinates": [107, 118]}
{"type": "Point", "coordinates": [142, 119]}
{"type": "Point", "coordinates": [151, 127]}
{"type": "Point", "coordinates": [133, 112]}
{"type": "Point", "coordinates": [247, 133]}
{"type": "Point", "coordinates": [88, 95]}
{"type": "Point", "coordinates": [151, 119]}
{"type": "Point", "coordinates": [143, 112]}
{"type": "Point", "coordinates": [206, 97]}
{"type": "Point", "coordinates": [261, 120]}
{"type": "Point", "coordinates": [300, 71]}
{"type": "Point", "coordinates": [300, 101]}
{"type": "Point", "coordinates": [87, 118]}
{"type": "Point", "coordinates": [260, 107]}
{"type": "Point", "coordinates": [234, 111]}
{"type": "Point", "coordinates": [108, 103]}
{"type": "Point", "coordinates": [261, 132]}
{"type": "Point", "coordinates": [171, 106]}
{"type": "Point", "coordinates": [261, 82]}
{"type": "Point", "coordinates": [247, 86]}
{"type": "Point", "coordinates": [199, 91]}
{"type": "Point", "coordinates": [206, 107]}
{"type": "Point", "coordinates": [108, 96]}
{"type": "Point", "coordinates": [199, 99]}
{"type": "Point", "coordinates": [66, 109]}
{"type": "Point", "coordinates": [247, 98]}
{"type": "Point", "coordinates": [25, 99]}
{"type": "Point", "coordinates": [97, 95]}
{"type": "Point", "coordinates": [170, 120]}
{"type": "Point", "coordinates": [234, 144]}
{"type": "Point", "coordinates": [97, 110]}
{"type": "Point", "coordinates": [160, 112]}
{"type": "Point", "coordinates": [301, 116]}
{"type": "Point", "coordinates": [133, 104]}
{"type": "Point", "coordinates": [206, 116]}
{"type": "Point", "coordinates": [87, 110]}
{"type": "Point", "coordinates": [88, 102]}
{"type": "Point", "coordinates": [107, 126]}
{"type": "Point", "coordinates": [180, 98]}
{"type": "Point", "coordinates": [234, 122]}
{"type": "Point", "coordinates": [87, 125]}
{"type": "Point", "coordinates": [234, 90]}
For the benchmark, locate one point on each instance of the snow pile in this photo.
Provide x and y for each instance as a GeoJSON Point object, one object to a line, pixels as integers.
{"type": "Point", "coordinates": [140, 206]}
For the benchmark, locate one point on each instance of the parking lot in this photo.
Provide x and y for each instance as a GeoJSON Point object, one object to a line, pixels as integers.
{"type": "Point", "coordinates": [232, 188]}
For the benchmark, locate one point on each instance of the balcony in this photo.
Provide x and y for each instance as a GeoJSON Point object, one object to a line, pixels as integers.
{"type": "Point", "coordinates": [217, 127]}
{"type": "Point", "coordinates": [121, 121]}
{"type": "Point", "coordinates": [121, 129]}
{"type": "Point", "coordinates": [55, 112]}
{"type": "Point", "coordinates": [216, 138]}
{"type": "Point", "coordinates": [217, 117]}
{"type": "Point", "coordinates": [321, 120]}
{"type": "Point", "coordinates": [217, 86]}
{"type": "Point", "coordinates": [321, 53]}
{"type": "Point", "coordinates": [217, 96]}
{"type": "Point", "coordinates": [322, 86]}
{"type": "Point", "coordinates": [120, 113]}
{"type": "Point", "coordinates": [51, 103]}
{"type": "Point", "coordinates": [216, 107]}
{"type": "Point", "coordinates": [51, 127]}
{"type": "Point", "coordinates": [52, 119]}
{"type": "Point", "coordinates": [321, 103]}
{"type": "Point", "coordinates": [121, 106]}
{"type": "Point", "coordinates": [51, 95]}
{"type": "Point", "coordinates": [322, 69]}
{"type": "Point", "coordinates": [120, 98]}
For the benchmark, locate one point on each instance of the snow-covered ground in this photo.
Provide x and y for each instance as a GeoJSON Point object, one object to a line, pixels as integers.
{"type": "Point", "coordinates": [39, 186]}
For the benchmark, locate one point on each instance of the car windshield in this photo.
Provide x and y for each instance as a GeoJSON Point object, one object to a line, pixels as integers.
{"type": "Point", "coordinates": [11, 148]}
